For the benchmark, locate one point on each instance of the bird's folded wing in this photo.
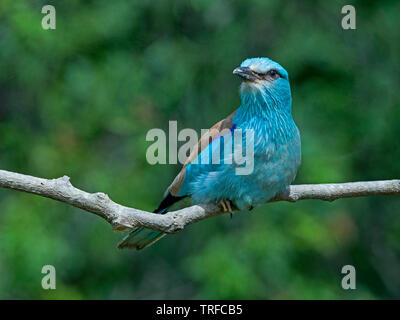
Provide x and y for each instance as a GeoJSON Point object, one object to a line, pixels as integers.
{"type": "Point", "coordinates": [214, 132]}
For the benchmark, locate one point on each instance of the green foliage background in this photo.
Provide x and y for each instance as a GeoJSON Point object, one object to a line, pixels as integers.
{"type": "Point", "coordinates": [79, 100]}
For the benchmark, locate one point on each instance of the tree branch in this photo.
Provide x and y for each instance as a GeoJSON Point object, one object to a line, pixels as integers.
{"type": "Point", "coordinates": [123, 218]}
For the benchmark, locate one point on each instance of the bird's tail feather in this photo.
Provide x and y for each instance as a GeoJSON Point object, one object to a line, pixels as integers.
{"type": "Point", "coordinates": [140, 238]}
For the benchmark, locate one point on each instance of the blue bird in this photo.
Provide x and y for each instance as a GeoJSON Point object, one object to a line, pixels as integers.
{"type": "Point", "coordinates": [267, 128]}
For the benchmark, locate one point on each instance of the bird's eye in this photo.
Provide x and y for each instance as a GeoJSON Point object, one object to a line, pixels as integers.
{"type": "Point", "coordinates": [273, 74]}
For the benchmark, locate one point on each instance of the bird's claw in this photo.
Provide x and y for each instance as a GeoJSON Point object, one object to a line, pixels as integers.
{"type": "Point", "coordinates": [226, 206]}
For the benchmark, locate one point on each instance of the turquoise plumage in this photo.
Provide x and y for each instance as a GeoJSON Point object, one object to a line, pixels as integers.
{"type": "Point", "coordinates": [264, 118]}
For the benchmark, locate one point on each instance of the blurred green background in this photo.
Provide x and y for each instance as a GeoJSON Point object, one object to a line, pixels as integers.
{"type": "Point", "coordinates": [79, 100]}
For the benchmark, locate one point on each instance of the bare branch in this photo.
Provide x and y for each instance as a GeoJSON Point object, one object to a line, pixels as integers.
{"type": "Point", "coordinates": [123, 218]}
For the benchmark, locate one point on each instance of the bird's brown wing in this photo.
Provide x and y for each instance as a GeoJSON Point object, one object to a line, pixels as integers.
{"type": "Point", "coordinates": [214, 132]}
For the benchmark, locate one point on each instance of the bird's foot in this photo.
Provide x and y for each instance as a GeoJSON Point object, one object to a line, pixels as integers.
{"type": "Point", "coordinates": [226, 206]}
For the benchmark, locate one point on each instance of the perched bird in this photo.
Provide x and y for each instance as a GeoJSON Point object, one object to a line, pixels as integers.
{"type": "Point", "coordinates": [265, 111]}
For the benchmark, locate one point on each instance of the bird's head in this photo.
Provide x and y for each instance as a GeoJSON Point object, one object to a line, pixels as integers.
{"type": "Point", "coordinates": [265, 79]}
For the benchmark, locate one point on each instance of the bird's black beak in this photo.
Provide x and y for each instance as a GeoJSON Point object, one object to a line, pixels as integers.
{"type": "Point", "coordinates": [246, 74]}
